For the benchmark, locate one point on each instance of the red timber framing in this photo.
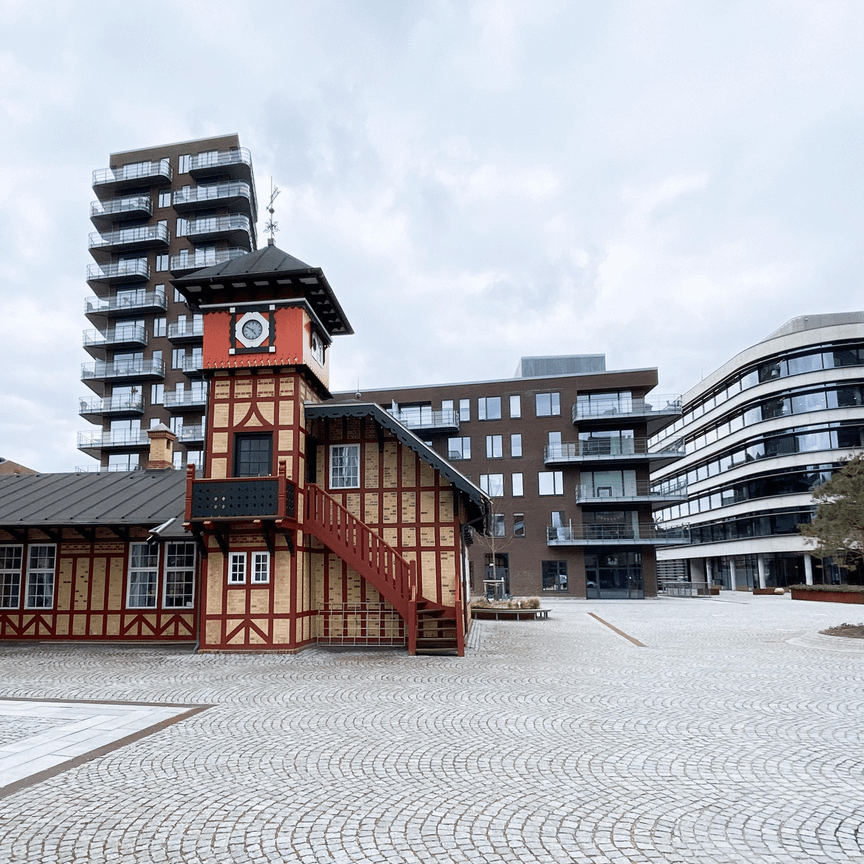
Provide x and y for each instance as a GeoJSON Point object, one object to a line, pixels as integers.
{"type": "Point", "coordinates": [82, 580]}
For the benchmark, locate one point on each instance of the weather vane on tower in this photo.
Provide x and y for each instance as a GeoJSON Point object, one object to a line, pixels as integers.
{"type": "Point", "coordinates": [271, 225]}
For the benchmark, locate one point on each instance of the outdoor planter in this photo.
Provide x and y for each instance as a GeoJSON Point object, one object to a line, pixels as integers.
{"type": "Point", "coordinates": [829, 593]}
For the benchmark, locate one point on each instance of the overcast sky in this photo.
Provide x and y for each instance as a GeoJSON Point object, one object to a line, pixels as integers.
{"type": "Point", "coordinates": [665, 183]}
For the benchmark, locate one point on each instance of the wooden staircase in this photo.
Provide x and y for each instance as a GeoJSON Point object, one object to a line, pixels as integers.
{"type": "Point", "coordinates": [430, 627]}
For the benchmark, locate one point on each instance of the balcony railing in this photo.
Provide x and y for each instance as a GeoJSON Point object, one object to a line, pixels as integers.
{"type": "Point", "coordinates": [128, 238]}
{"type": "Point", "coordinates": [131, 207]}
{"type": "Point", "coordinates": [127, 334]}
{"type": "Point", "coordinates": [127, 302]}
{"type": "Point", "coordinates": [117, 438]}
{"type": "Point", "coordinates": [427, 420]}
{"type": "Point", "coordinates": [208, 163]}
{"type": "Point", "coordinates": [180, 399]}
{"type": "Point", "coordinates": [191, 434]}
{"type": "Point", "coordinates": [626, 535]}
{"type": "Point", "coordinates": [610, 449]}
{"type": "Point", "coordinates": [237, 226]}
{"type": "Point", "coordinates": [212, 194]}
{"type": "Point", "coordinates": [197, 260]}
{"type": "Point", "coordinates": [193, 364]}
{"type": "Point", "coordinates": [639, 490]}
{"type": "Point", "coordinates": [119, 271]}
{"type": "Point", "coordinates": [183, 331]}
{"type": "Point", "coordinates": [112, 405]}
{"type": "Point", "coordinates": [123, 369]}
{"type": "Point", "coordinates": [241, 498]}
{"type": "Point", "coordinates": [612, 408]}
{"type": "Point", "coordinates": [137, 171]}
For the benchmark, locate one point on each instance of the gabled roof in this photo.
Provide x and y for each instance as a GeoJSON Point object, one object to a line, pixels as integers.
{"type": "Point", "coordinates": [121, 498]}
{"type": "Point", "coordinates": [480, 501]}
{"type": "Point", "coordinates": [268, 274]}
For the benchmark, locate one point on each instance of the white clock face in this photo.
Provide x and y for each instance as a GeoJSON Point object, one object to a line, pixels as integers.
{"type": "Point", "coordinates": [252, 330]}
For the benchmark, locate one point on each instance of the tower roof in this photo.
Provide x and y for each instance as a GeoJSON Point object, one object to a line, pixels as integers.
{"type": "Point", "coordinates": [268, 274]}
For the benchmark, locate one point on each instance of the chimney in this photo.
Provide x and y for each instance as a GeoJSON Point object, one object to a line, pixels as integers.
{"type": "Point", "coordinates": [161, 448]}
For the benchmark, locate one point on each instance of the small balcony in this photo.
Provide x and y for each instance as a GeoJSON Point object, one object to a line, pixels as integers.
{"type": "Point", "coordinates": [240, 498]}
{"type": "Point", "coordinates": [131, 270]}
{"type": "Point", "coordinates": [635, 492]}
{"type": "Point", "coordinates": [123, 370]}
{"type": "Point", "coordinates": [103, 214]}
{"type": "Point", "coordinates": [632, 450]}
{"type": "Point", "coordinates": [656, 411]}
{"type": "Point", "coordinates": [616, 535]}
{"type": "Point", "coordinates": [122, 336]}
{"type": "Point", "coordinates": [129, 239]}
{"type": "Point", "coordinates": [107, 181]}
{"type": "Point", "coordinates": [191, 434]}
{"type": "Point", "coordinates": [234, 164]}
{"type": "Point", "coordinates": [185, 400]}
{"type": "Point", "coordinates": [182, 264]}
{"type": "Point", "coordinates": [121, 439]}
{"type": "Point", "coordinates": [186, 331]}
{"type": "Point", "coordinates": [235, 228]}
{"type": "Point", "coordinates": [237, 196]}
{"type": "Point", "coordinates": [427, 420]}
{"type": "Point", "coordinates": [112, 406]}
{"type": "Point", "coordinates": [130, 302]}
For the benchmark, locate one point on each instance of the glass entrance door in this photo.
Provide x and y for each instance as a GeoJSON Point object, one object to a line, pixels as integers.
{"type": "Point", "coordinates": [614, 575]}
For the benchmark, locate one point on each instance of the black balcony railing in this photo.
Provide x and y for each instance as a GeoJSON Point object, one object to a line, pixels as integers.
{"type": "Point", "coordinates": [241, 498]}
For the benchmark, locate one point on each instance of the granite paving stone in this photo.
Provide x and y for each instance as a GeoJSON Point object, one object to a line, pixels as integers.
{"type": "Point", "coordinates": [734, 736]}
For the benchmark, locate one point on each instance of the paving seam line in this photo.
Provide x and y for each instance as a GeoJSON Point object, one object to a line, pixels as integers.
{"type": "Point", "coordinates": [632, 639]}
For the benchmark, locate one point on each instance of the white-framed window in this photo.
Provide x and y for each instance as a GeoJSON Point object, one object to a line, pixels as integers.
{"type": "Point", "coordinates": [236, 568]}
{"type": "Point", "coordinates": [464, 410]}
{"type": "Point", "coordinates": [498, 526]}
{"type": "Point", "coordinates": [518, 524]}
{"type": "Point", "coordinates": [143, 580]}
{"type": "Point", "coordinates": [494, 446]}
{"type": "Point", "coordinates": [11, 559]}
{"type": "Point", "coordinates": [164, 199]}
{"type": "Point", "coordinates": [458, 448]}
{"type": "Point", "coordinates": [492, 484]}
{"type": "Point", "coordinates": [489, 408]}
{"type": "Point", "coordinates": [345, 466]}
{"type": "Point", "coordinates": [260, 567]}
{"type": "Point", "coordinates": [161, 263]}
{"type": "Point", "coordinates": [550, 482]}
{"type": "Point", "coordinates": [516, 485]}
{"type": "Point", "coordinates": [516, 444]}
{"type": "Point", "coordinates": [547, 404]}
{"type": "Point", "coordinates": [515, 406]}
{"type": "Point", "coordinates": [179, 575]}
{"type": "Point", "coordinates": [157, 394]}
{"type": "Point", "coordinates": [41, 560]}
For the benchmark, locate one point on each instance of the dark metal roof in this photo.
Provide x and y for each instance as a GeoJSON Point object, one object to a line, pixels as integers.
{"type": "Point", "coordinates": [477, 497]}
{"type": "Point", "coordinates": [145, 498]}
{"type": "Point", "coordinates": [270, 274]}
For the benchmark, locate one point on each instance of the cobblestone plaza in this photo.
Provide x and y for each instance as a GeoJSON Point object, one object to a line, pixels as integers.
{"type": "Point", "coordinates": [722, 730]}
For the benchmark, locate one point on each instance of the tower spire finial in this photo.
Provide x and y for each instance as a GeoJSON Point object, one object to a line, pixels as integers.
{"type": "Point", "coordinates": [272, 226]}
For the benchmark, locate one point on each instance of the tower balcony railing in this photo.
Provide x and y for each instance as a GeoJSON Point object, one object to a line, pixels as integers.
{"type": "Point", "coordinates": [214, 195]}
{"type": "Point", "coordinates": [198, 260]}
{"type": "Point", "coordinates": [178, 400]}
{"type": "Point", "coordinates": [636, 491]}
{"type": "Point", "coordinates": [610, 450]}
{"type": "Point", "coordinates": [630, 408]}
{"type": "Point", "coordinates": [143, 236]}
{"type": "Point", "coordinates": [236, 227]}
{"type": "Point", "coordinates": [129, 270]}
{"type": "Point", "coordinates": [184, 331]}
{"type": "Point", "coordinates": [132, 404]}
{"type": "Point", "coordinates": [137, 173]}
{"type": "Point", "coordinates": [236, 164]}
{"type": "Point", "coordinates": [240, 498]}
{"type": "Point", "coordinates": [125, 334]}
{"type": "Point", "coordinates": [104, 371]}
{"type": "Point", "coordinates": [115, 438]}
{"type": "Point", "coordinates": [132, 301]}
{"type": "Point", "coordinates": [115, 209]}
{"type": "Point", "coordinates": [617, 535]}
{"type": "Point", "coordinates": [427, 420]}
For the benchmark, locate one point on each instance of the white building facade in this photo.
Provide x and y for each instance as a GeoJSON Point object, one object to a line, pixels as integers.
{"type": "Point", "coordinates": [759, 433]}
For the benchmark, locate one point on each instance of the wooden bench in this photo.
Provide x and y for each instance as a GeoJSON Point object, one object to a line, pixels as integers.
{"type": "Point", "coordinates": [492, 613]}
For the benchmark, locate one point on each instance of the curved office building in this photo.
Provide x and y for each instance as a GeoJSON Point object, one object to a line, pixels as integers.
{"type": "Point", "coordinates": [759, 433]}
